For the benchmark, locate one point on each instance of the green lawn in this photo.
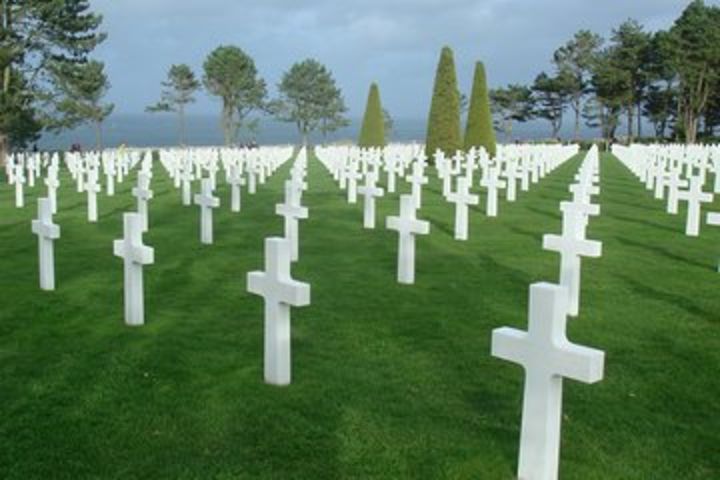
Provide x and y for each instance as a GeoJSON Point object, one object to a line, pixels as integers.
{"type": "Point", "coordinates": [389, 381]}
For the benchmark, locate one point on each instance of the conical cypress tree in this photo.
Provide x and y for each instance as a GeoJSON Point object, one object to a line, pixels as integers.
{"type": "Point", "coordinates": [443, 129]}
{"type": "Point", "coordinates": [372, 133]}
{"type": "Point", "coordinates": [479, 130]}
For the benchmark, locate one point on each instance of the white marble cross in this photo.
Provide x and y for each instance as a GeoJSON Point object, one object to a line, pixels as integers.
{"type": "Point", "coordinates": [571, 245]}
{"type": "Point", "coordinates": [135, 255]}
{"type": "Point", "coordinates": [407, 225]}
{"type": "Point", "coordinates": [92, 188]}
{"type": "Point", "coordinates": [492, 183]}
{"type": "Point", "coordinates": [462, 198]}
{"type": "Point", "coordinates": [370, 191]}
{"type": "Point", "coordinates": [252, 180]}
{"type": "Point", "coordinates": [674, 183]}
{"type": "Point", "coordinates": [207, 202]}
{"type": "Point", "coordinates": [280, 292]}
{"type": "Point", "coordinates": [352, 178]}
{"type": "Point", "coordinates": [417, 179]}
{"type": "Point", "coordinates": [236, 181]}
{"type": "Point", "coordinates": [292, 211]}
{"type": "Point", "coordinates": [393, 168]}
{"type": "Point", "coordinates": [19, 184]}
{"type": "Point", "coordinates": [511, 174]}
{"type": "Point", "coordinates": [547, 357]}
{"type": "Point", "coordinates": [47, 232]}
{"type": "Point", "coordinates": [695, 197]}
{"type": "Point", "coordinates": [110, 177]}
{"type": "Point", "coordinates": [52, 183]}
{"type": "Point", "coordinates": [187, 178]}
{"type": "Point", "coordinates": [143, 194]}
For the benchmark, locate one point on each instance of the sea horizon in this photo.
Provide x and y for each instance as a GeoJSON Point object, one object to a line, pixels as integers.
{"type": "Point", "coordinates": [162, 130]}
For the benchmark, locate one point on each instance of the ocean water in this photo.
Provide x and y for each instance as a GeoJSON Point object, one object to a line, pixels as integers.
{"type": "Point", "coordinates": [159, 130]}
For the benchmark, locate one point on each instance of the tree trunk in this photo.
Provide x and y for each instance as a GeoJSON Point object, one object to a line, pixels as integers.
{"type": "Point", "coordinates": [577, 118]}
{"type": "Point", "coordinates": [98, 136]}
{"type": "Point", "coordinates": [639, 119]}
{"type": "Point", "coordinates": [690, 127]}
{"type": "Point", "coordinates": [227, 114]}
{"type": "Point", "coordinates": [183, 130]}
{"type": "Point", "coordinates": [630, 112]}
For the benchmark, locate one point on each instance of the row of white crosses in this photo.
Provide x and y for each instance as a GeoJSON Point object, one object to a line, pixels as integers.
{"type": "Point", "coordinates": [675, 173]}
{"type": "Point", "coordinates": [25, 168]}
{"type": "Point", "coordinates": [130, 247]}
{"type": "Point", "coordinates": [349, 166]}
{"type": "Point", "coordinates": [678, 172]}
{"type": "Point", "coordinates": [544, 350]}
{"type": "Point", "coordinates": [276, 285]}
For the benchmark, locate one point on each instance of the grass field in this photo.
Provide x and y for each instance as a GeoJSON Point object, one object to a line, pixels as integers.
{"type": "Point", "coordinates": [389, 381]}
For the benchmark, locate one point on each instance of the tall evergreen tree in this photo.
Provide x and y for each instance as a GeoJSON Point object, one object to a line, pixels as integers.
{"type": "Point", "coordinates": [479, 130]}
{"type": "Point", "coordinates": [372, 132]}
{"type": "Point", "coordinates": [36, 38]}
{"type": "Point", "coordinates": [443, 130]}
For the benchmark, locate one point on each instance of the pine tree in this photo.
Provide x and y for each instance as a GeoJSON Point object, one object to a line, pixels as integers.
{"type": "Point", "coordinates": [372, 133]}
{"type": "Point", "coordinates": [443, 130]}
{"type": "Point", "coordinates": [479, 129]}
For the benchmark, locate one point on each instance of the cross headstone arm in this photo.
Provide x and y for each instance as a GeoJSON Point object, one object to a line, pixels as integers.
{"type": "Point", "coordinates": [581, 363]}
{"type": "Point", "coordinates": [508, 343]}
{"type": "Point", "coordinates": [585, 248]}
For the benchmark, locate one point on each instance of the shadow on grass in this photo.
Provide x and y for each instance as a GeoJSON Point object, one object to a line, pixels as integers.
{"type": "Point", "coordinates": [636, 221]}
{"type": "Point", "coordinates": [546, 213]}
{"type": "Point", "coordinates": [670, 299]}
{"type": "Point", "coordinates": [527, 233]}
{"type": "Point", "coordinates": [663, 252]}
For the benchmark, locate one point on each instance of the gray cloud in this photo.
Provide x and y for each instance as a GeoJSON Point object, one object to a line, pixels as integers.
{"type": "Point", "coordinates": [393, 42]}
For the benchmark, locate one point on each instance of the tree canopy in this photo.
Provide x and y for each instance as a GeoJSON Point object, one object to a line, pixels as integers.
{"type": "Point", "coordinates": [230, 74]}
{"type": "Point", "coordinates": [479, 130]}
{"type": "Point", "coordinates": [372, 131]}
{"type": "Point", "coordinates": [443, 130]}
{"type": "Point", "coordinates": [42, 43]}
{"type": "Point", "coordinates": [178, 91]}
{"type": "Point", "coordinates": [310, 99]}
{"type": "Point", "coordinates": [82, 89]}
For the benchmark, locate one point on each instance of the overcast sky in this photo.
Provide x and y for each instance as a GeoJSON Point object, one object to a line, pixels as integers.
{"type": "Point", "coordinates": [393, 42]}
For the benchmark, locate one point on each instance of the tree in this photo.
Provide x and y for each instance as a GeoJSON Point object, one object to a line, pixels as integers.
{"type": "Point", "coordinates": [333, 116]}
{"type": "Point", "coordinates": [661, 98]}
{"type": "Point", "coordinates": [230, 74]}
{"type": "Point", "coordinates": [575, 59]}
{"type": "Point", "coordinates": [695, 45]}
{"type": "Point", "coordinates": [178, 91]}
{"type": "Point", "coordinates": [610, 86]}
{"type": "Point", "coordinates": [82, 89]}
{"type": "Point", "coordinates": [631, 44]}
{"type": "Point", "coordinates": [443, 130]}
{"type": "Point", "coordinates": [310, 99]}
{"type": "Point", "coordinates": [513, 103]}
{"type": "Point", "coordinates": [550, 98]}
{"type": "Point", "coordinates": [659, 108]}
{"type": "Point", "coordinates": [372, 132]}
{"type": "Point", "coordinates": [38, 39]}
{"type": "Point", "coordinates": [479, 130]}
